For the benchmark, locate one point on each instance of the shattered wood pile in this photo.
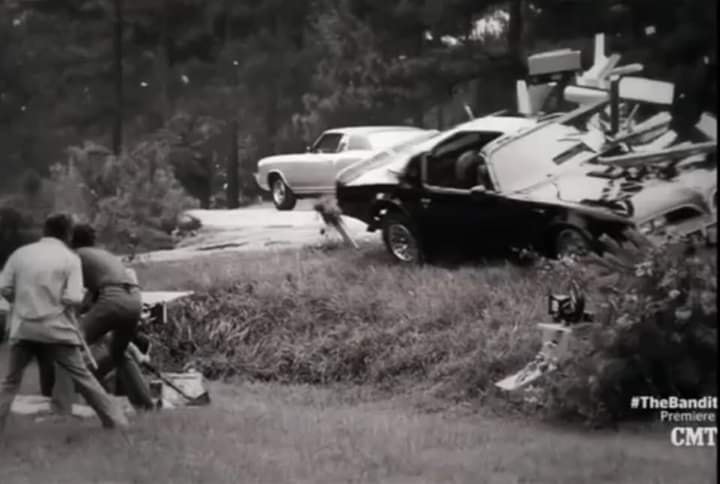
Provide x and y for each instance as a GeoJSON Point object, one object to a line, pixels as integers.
{"type": "Point", "coordinates": [636, 118]}
{"type": "Point", "coordinates": [635, 138]}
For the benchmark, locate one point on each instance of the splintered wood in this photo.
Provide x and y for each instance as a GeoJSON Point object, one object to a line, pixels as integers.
{"type": "Point", "coordinates": [332, 217]}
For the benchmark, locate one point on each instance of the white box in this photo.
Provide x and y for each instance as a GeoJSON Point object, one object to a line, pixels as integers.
{"type": "Point", "coordinates": [556, 61]}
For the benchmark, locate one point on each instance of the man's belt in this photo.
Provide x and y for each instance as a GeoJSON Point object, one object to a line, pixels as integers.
{"type": "Point", "coordinates": [128, 286]}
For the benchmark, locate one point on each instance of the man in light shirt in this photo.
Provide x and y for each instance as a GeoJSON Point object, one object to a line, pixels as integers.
{"type": "Point", "coordinates": [43, 282]}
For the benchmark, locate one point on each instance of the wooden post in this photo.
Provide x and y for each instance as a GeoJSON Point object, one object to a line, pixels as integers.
{"type": "Point", "coordinates": [342, 230]}
{"type": "Point", "coordinates": [232, 192]}
{"type": "Point", "coordinates": [614, 105]}
{"type": "Point", "coordinates": [164, 63]}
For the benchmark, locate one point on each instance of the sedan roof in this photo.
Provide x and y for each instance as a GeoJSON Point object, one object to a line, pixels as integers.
{"type": "Point", "coordinates": [371, 129]}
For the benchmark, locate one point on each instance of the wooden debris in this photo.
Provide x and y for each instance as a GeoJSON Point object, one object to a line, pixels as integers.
{"type": "Point", "coordinates": [332, 217]}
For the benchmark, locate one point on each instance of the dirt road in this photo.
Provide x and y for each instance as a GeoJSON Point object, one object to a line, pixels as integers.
{"type": "Point", "coordinates": [258, 228]}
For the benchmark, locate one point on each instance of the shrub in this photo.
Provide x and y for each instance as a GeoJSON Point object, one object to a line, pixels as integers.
{"type": "Point", "coordinates": [16, 229]}
{"type": "Point", "coordinates": [655, 334]}
{"type": "Point", "coordinates": [135, 194]}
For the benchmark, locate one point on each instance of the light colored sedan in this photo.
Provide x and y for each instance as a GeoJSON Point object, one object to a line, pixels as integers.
{"type": "Point", "coordinates": [313, 173]}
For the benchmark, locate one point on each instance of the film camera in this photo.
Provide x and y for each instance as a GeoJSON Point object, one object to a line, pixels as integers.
{"type": "Point", "coordinates": [569, 309]}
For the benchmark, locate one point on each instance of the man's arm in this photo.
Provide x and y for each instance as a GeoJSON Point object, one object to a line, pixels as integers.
{"type": "Point", "coordinates": [7, 280]}
{"type": "Point", "coordinates": [73, 293]}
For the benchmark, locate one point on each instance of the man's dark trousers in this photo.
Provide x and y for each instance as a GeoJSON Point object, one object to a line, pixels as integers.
{"type": "Point", "coordinates": [117, 311]}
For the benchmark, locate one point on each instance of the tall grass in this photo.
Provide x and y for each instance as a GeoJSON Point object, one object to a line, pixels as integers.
{"type": "Point", "coordinates": [343, 316]}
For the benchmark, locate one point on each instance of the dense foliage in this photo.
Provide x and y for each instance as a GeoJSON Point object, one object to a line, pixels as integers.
{"type": "Point", "coordinates": [655, 334]}
{"type": "Point", "coordinates": [134, 196]}
{"type": "Point", "coordinates": [270, 74]}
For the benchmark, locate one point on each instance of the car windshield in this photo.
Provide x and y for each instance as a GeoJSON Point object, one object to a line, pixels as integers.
{"type": "Point", "coordinates": [536, 156]}
{"type": "Point", "coordinates": [407, 147]}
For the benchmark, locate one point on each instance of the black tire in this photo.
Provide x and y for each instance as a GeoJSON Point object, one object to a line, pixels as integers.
{"type": "Point", "coordinates": [401, 239]}
{"type": "Point", "coordinates": [282, 195]}
{"type": "Point", "coordinates": [570, 241]}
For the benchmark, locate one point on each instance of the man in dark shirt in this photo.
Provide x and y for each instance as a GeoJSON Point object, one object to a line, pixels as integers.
{"type": "Point", "coordinates": [113, 296]}
{"type": "Point", "coordinates": [114, 306]}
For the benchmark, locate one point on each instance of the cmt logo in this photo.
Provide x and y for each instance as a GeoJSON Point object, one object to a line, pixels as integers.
{"type": "Point", "coordinates": [693, 436]}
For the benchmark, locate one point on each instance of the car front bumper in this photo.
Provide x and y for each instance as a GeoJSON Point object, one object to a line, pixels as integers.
{"type": "Point", "coordinates": [701, 231]}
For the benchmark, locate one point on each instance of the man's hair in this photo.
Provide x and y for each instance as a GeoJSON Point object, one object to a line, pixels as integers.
{"type": "Point", "coordinates": [59, 226]}
{"type": "Point", "coordinates": [83, 236]}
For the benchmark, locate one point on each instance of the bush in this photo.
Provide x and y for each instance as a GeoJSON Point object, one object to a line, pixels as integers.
{"type": "Point", "coordinates": [656, 334]}
{"type": "Point", "coordinates": [16, 229]}
{"type": "Point", "coordinates": [135, 194]}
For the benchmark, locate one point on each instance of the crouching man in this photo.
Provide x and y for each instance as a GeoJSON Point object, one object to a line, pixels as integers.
{"type": "Point", "coordinates": [115, 308]}
{"type": "Point", "coordinates": [44, 282]}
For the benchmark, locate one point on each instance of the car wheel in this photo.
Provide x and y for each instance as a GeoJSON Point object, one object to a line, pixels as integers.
{"type": "Point", "coordinates": [283, 197]}
{"type": "Point", "coordinates": [401, 239]}
{"type": "Point", "coordinates": [570, 241]}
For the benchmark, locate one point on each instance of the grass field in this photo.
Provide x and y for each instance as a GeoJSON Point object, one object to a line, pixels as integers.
{"type": "Point", "coordinates": [274, 433]}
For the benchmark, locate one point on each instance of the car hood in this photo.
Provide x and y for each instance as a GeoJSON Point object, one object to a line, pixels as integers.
{"type": "Point", "coordinates": [650, 199]}
{"type": "Point", "coordinates": [288, 158]}
{"type": "Point", "coordinates": [304, 157]}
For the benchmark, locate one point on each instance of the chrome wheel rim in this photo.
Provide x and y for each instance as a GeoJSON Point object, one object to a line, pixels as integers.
{"type": "Point", "coordinates": [402, 243]}
{"type": "Point", "coordinates": [279, 192]}
{"type": "Point", "coordinates": [571, 242]}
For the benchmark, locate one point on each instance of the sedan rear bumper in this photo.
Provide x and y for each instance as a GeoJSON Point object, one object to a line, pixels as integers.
{"type": "Point", "coordinates": [261, 182]}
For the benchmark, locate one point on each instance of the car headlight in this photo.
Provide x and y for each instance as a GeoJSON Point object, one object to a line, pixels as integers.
{"type": "Point", "coordinates": [654, 225]}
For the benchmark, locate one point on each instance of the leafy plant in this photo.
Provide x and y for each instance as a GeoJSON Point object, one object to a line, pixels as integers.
{"type": "Point", "coordinates": [655, 333]}
{"type": "Point", "coordinates": [134, 195]}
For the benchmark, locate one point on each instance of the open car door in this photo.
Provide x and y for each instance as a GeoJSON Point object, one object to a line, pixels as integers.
{"type": "Point", "coordinates": [451, 210]}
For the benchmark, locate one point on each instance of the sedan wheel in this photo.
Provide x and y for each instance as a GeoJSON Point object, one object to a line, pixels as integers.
{"type": "Point", "coordinates": [400, 240]}
{"type": "Point", "coordinates": [571, 242]}
{"type": "Point", "coordinates": [283, 197]}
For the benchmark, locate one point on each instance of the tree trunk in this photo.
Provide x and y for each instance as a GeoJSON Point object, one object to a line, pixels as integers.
{"type": "Point", "coordinates": [164, 63]}
{"type": "Point", "coordinates": [516, 30]}
{"type": "Point", "coordinates": [207, 187]}
{"type": "Point", "coordinates": [233, 175]}
{"type": "Point", "coordinates": [117, 140]}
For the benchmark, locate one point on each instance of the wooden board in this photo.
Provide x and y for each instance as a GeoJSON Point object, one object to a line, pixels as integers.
{"type": "Point", "coordinates": [555, 345]}
{"type": "Point", "coordinates": [150, 298]}
{"type": "Point", "coordinates": [528, 374]}
{"type": "Point", "coordinates": [662, 156]}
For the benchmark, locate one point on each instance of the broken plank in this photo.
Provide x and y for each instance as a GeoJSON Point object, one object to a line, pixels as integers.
{"type": "Point", "coordinates": [661, 156]}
